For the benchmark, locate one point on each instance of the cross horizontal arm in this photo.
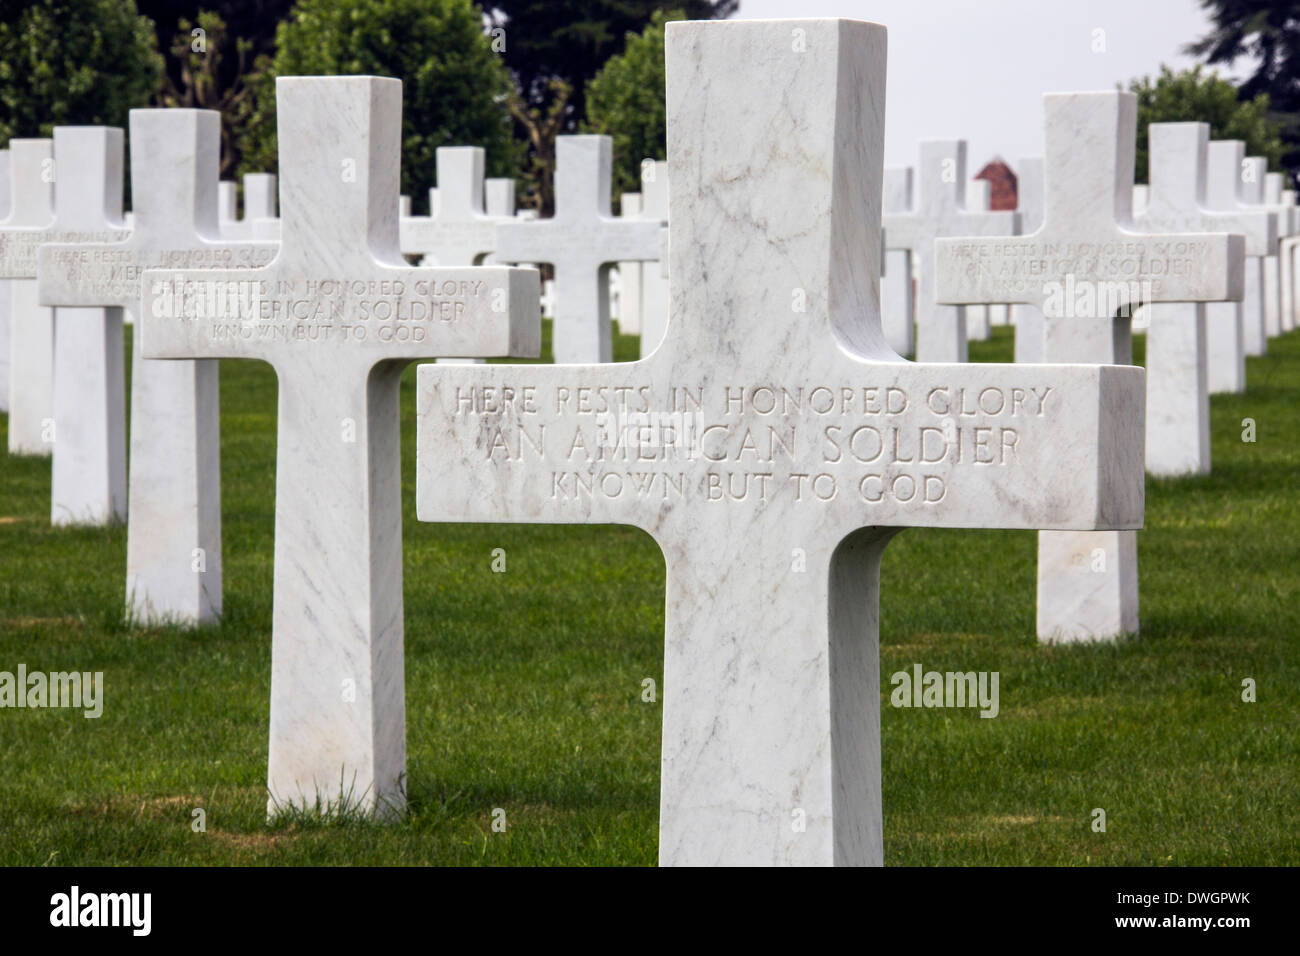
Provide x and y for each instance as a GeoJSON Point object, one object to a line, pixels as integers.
{"type": "Point", "coordinates": [1258, 229]}
{"type": "Point", "coordinates": [19, 247]}
{"type": "Point", "coordinates": [1125, 268]}
{"type": "Point", "coordinates": [421, 235]}
{"type": "Point", "coordinates": [595, 242]}
{"type": "Point", "coordinates": [645, 444]}
{"type": "Point", "coordinates": [391, 313]}
{"type": "Point", "coordinates": [108, 274]}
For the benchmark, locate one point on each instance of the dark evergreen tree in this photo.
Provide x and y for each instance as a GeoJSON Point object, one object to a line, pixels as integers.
{"type": "Point", "coordinates": [1266, 33]}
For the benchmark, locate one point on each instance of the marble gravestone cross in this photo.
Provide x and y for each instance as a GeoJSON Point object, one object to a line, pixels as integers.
{"type": "Point", "coordinates": [1274, 270]}
{"type": "Point", "coordinates": [1178, 361]}
{"type": "Point", "coordinates": [499, 201]}
{"type": "Point", "coordinates": [1141, 193]}
{"type": "Point", "coordinates": [1226, 323]}
{"type": "Point", "coordinates": [338, 314]}
{"type": "Point", "coordinates": [88, 485]}
{"type": "Point", "coordinates": [654, 280]}
{"type": "Point", "coordinates": [259, 204]}
{"type": "Point", "coordinates": [979, 196]}
{"type": "Point", "coordinates": [1087, 268]}
{"type": "Point", "coordinates": [1289, 246]}
{"type": "Point", "coordinates": [228, 220]}
{"type": "Point", "coordinates": [1283, 200]}
{"type": "Point", "coordinates": [896, 303]}
{"type": "Point", "coordinates": [1254, 174]}
{"type": "Point", "coordinates": [458, 232]}
{"type": "Point", "coordinates": [941, 210]}
{"type": "Point", "coordinates": [629, 274]}
{"type": "Point", "coordinates": [31, 326]}
{"type": "Point", "coordinates": [1250, 174]}
{"type": "Point", "coordinates": [499, 197]}
{"type": "Point", "coordinates": [771, 450]}
{"type": "Point", "coordinates": [6, 196]}
{"type": "Point", "coordinates": [580, 241]}
{"type": "Point", "coordinates": [1028, 319]}
{"type": "Point", "coordinates": [173, 542]}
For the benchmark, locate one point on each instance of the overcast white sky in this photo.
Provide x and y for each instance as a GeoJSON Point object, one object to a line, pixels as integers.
{"type": "Point", "coordinates": [977, 69]}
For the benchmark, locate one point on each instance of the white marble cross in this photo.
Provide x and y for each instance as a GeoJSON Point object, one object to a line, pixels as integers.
{"type": "Point", "coordinates": [228, 220]}
{"type": "Point", "coordinates": [654, 282]}
{"type": "Point", "coordinates": [31, 326]}
{"type": "Point", "coordinates": [499, 196]}
{"type": "Point", "coordinates": [173, 544]}
{"type": "Point", "coordinates": [338, 314]}
{"type": "Point", "coordinates": [1271, 199]}
{"type": "Point", "coordinates": [499, 201]}
{"type": "Point", "coordinates": [6, 196]}
{"type": "Point", "coordinates": [1028, 319]}
{"type": "Point", "coordinates": [89, 470]}
{"type": "Point", "coordinates": [896, 304]}
{"type": "Point", "coordinates": [1255, 304]}
{"type": "Point", "coordinates": [580, 241]}
{"type": "Point", "coordinates": [629, 273]}
{"type": "Point", "coordinates": [1086, 268]}
{"type": "Point", "coordinates": [1141, 195]}
{"type": "Point", "coordinates": [547, 300]}
{"type": "Point", "coordinates": [941, 209]}
{"type": "Point", "coordinates": [1225, 322]}
{"type": "Point", "coordinates": [1177, 360]}
{"type": "Point", "coordinates": [979, 197]}
{"type": "Point", "coordinates": [259, 198]}
{"type": "Point", "coordinates": [1287, 255]}
{"type": "Point", "coordinates": [259, 220]}
{"type": "Point", "coordinates": [774, 443]}
{"type": "Point", "coordinates": [459, 232]}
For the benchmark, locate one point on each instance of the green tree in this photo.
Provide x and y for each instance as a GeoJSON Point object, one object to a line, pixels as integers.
{"type": "Point", "coordinates": [73, 62]}
{"type": "Point", "coordinates": [454, 87]}
{"type": "Point", "coordinates": [252, 21]}
{"type": "Point", "coordinates": [625, 100]}
{"type": "Point", "coordinates": [1267, 33]}
{"type": "Point", "coordinates": [238, 34]}
{"type": "Point", "coordinates": [1193, 95]}
{"type": "Point", "coordinates": [541, 124]}
{"type": "Point", "coordinates": [553, 48]}
{"type": "Point", "coordinates": [571, 40]}
{"type": "Point", "coordinates": [200, 78]}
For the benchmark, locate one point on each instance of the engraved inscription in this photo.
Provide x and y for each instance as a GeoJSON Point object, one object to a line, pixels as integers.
{"type": "Point", "coordinates": [317, 310]}
{"type": "Point", "coordinates": [116, 272]}
{"type": "Point", "coordinates": [18, 246]}
{"type": "Point", "coordinates": [1014, 267]}
{"type": "Point", "coordinates": [752, 443]}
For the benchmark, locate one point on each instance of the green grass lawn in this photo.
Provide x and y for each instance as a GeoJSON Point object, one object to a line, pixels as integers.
{"type": "Point", "coordinates": [523, 689]}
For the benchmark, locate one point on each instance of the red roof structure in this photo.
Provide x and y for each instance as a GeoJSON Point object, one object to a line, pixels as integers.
{"type": "Point", "coordinates": [1002, 184]}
